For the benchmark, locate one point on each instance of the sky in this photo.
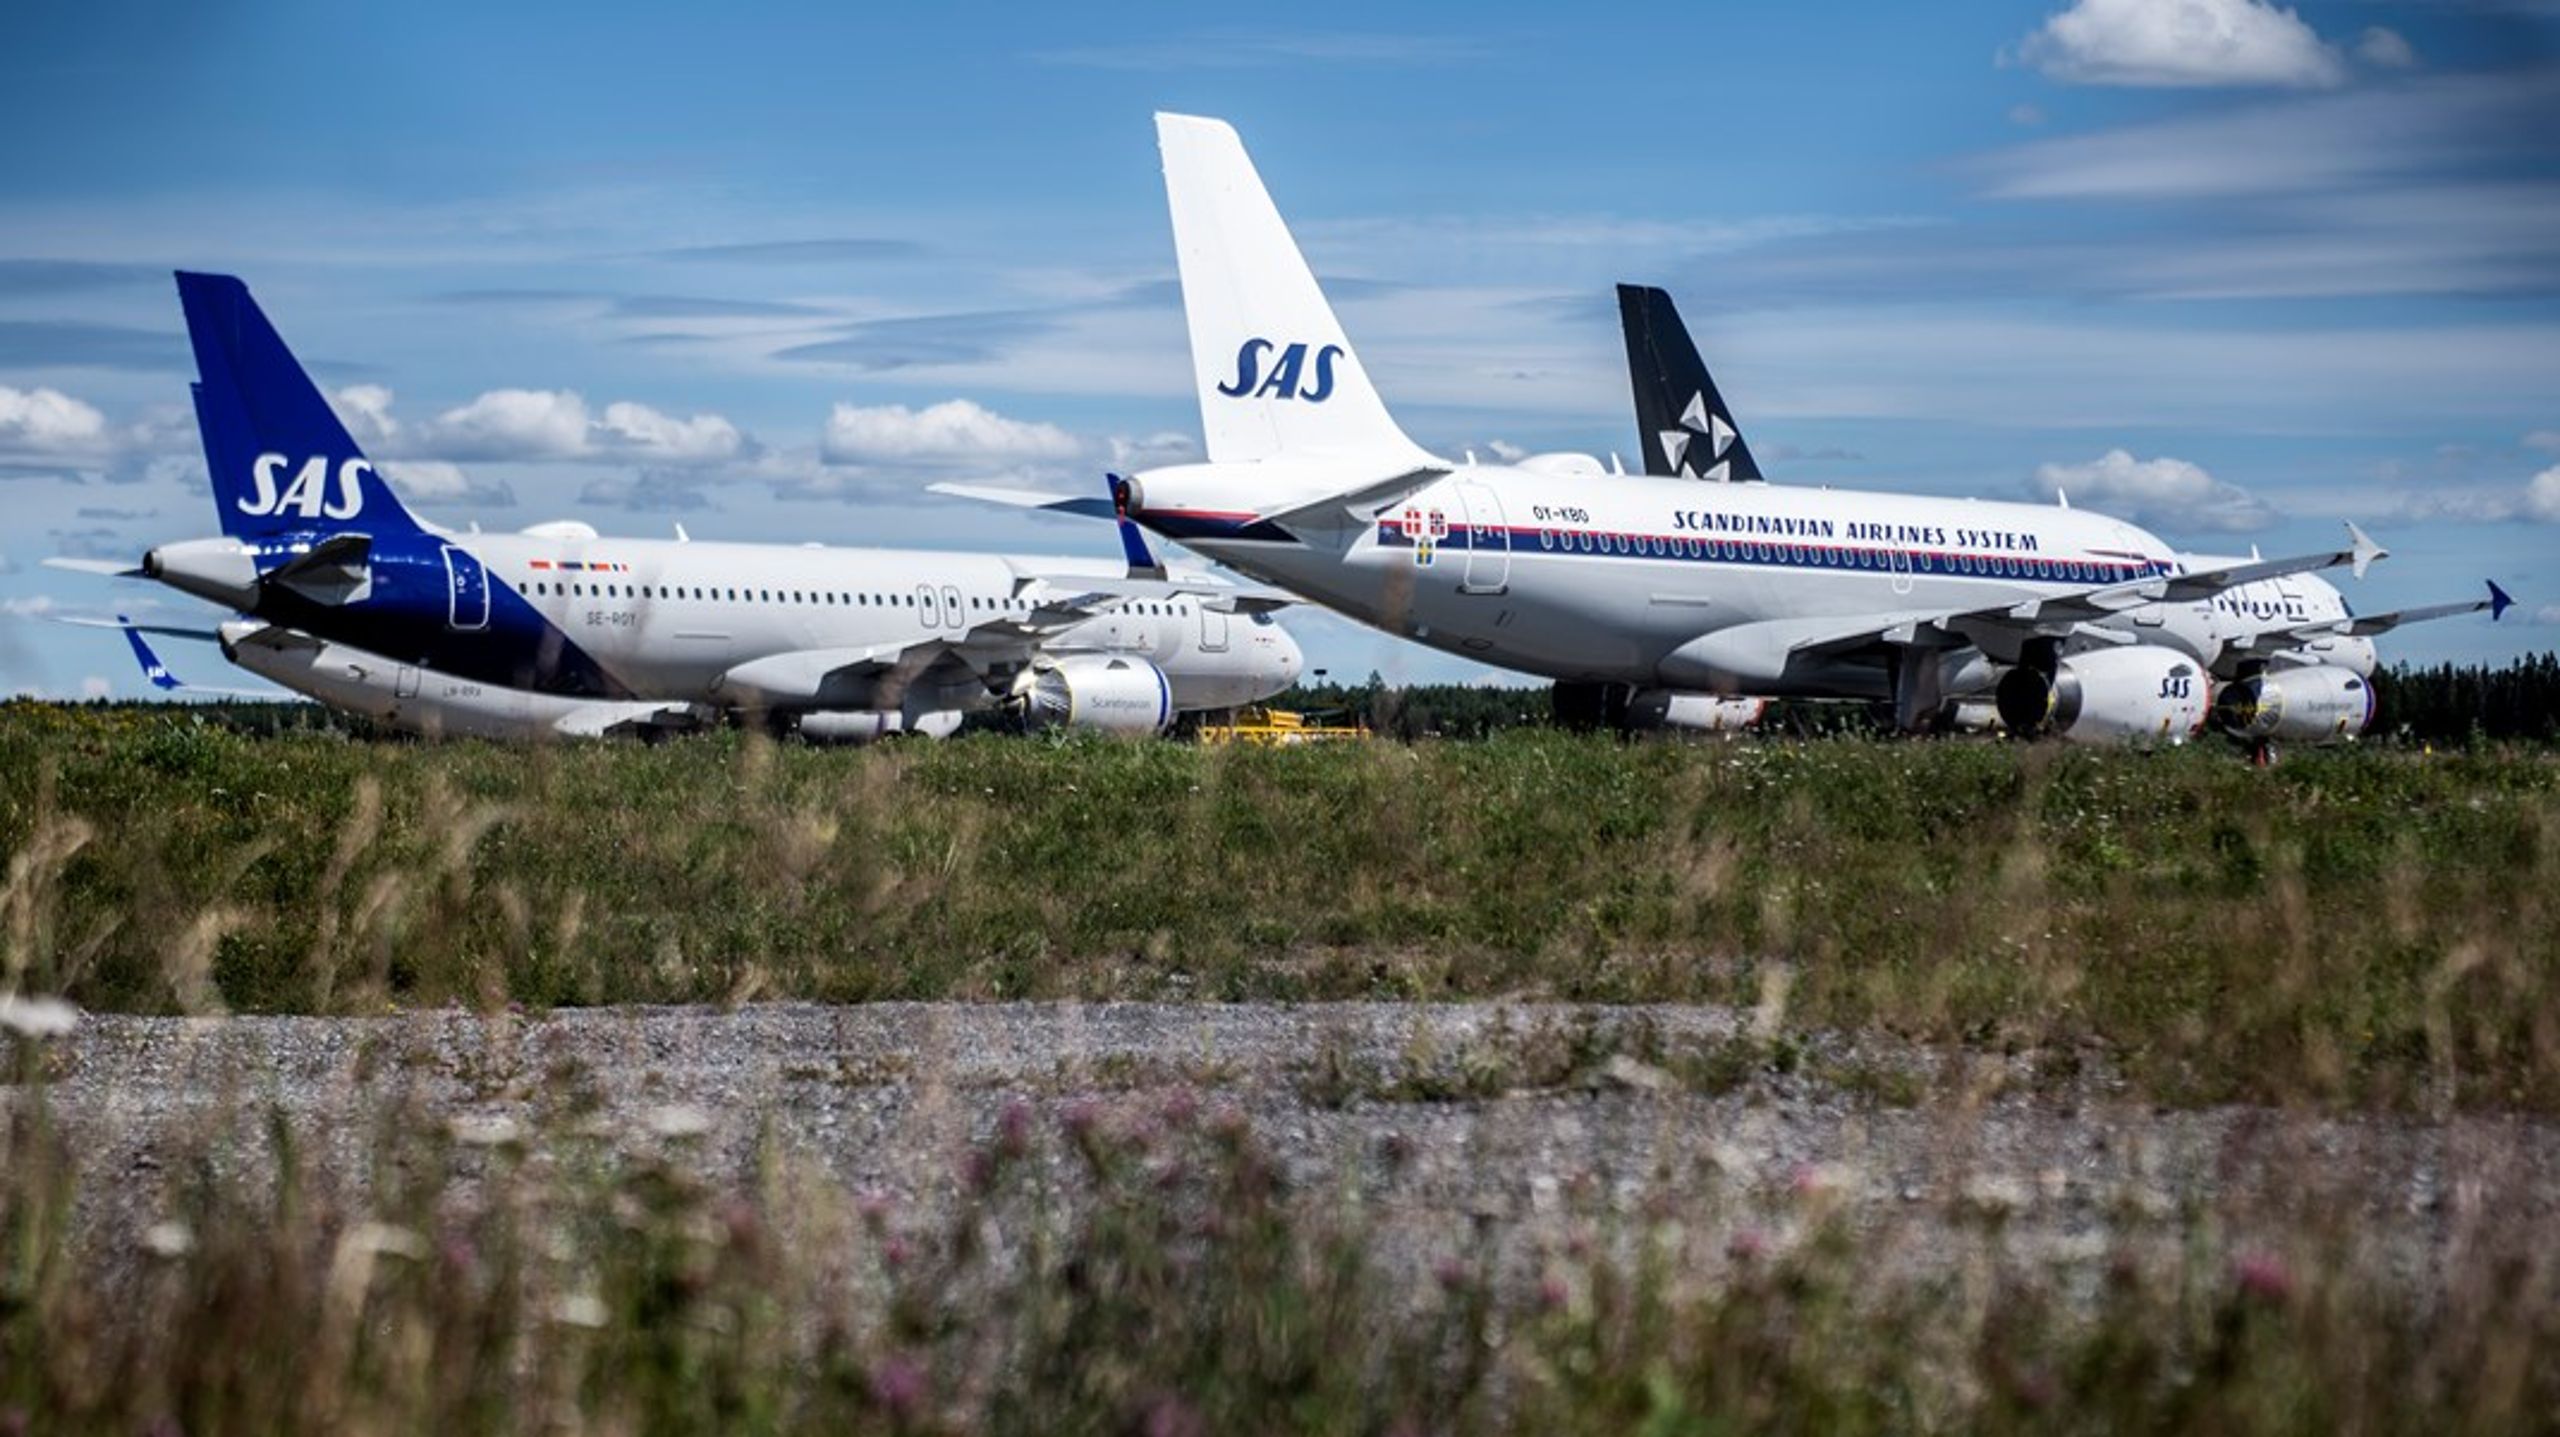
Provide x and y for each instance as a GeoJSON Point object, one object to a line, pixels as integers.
{"type": "Point", "coordinates": [2231, 270]}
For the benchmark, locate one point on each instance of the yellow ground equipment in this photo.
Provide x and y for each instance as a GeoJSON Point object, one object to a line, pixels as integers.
{"type": "Point", "coordinates": [1275, 726]}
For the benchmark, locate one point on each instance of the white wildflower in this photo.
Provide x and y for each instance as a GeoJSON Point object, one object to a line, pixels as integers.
{"type": "Point", "coordinates": [484, 1130]}
{"type": "Point", "coordinates": [678, 1120]}
{"type": "Point", "coordinates": [38, 1018]}
{"type": "Point", "coordinates": [168, 1239]}
{"type": "Point", "coordinates": [579, 1309]}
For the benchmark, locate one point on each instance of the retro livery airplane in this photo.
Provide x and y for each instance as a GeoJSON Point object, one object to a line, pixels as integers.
{"type": "Point", "coordinates": [1674, 589]}
{"type": "Point", "coordinates": [2292, 662]}
{"type": "Point", "coordinates": [342, 594]}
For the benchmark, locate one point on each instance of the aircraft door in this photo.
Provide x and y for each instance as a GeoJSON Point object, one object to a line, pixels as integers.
{"type": "Point", "coordinates": [1899, 560]}
{"type": "Point", "coordinates": [953, 607]}
{"type": "Point", "coordinates": [1488, 540]}
{"type": "Point", "coordinates": [404, 682]}
{"type": "Point", "coordinates": [1213, 630]}
{"type": "Point", "coordinates": [928, 606]}
{"type": "Point", "coordinates": [466, 589]}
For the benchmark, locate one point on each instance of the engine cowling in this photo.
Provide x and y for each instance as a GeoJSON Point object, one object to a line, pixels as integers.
{"type": "Point", "coordinates": [2138, 694]}
{"type": "Point", "coordinates": [1105, 693]}
{"type": "Point", "coordinates": [1681, 709]}
{"type": "Point", "coordinates": [872, 725]}
{"type": "Point", "coordinates": [2321, 704]}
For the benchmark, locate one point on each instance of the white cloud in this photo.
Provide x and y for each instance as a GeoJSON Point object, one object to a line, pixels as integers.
{"type": "Point", "coordinates": [28, 606]}
{"type": "Point", "coordinates": [513, 424]}
{"type": "Point", "coordinates": [48, 421]}
{"type": "Point", "coordinates": [637, 428]}
{"type": "Point", "coordinates": [434, 481]}
{"type": "Point", "coordinates": [2542, 496]}
{"type": "Point", "coordinates": [2385, 49]}
{"type": "Point", "coordinates": [2026, 116]}
{"type": "Point", "coordinates": [2181, 43]}
{"type": "Point", "coordinates": [2162, 493]}
{"type": "Point", "coordinates": [366, 411]}
{"type": "Point", "coordinates": [955, 429]}
{"type": "Point", "coordinates": [2546, 440]}
{"type": "Point", "coordinates": [1149, 451]}
{"type": "Point", "coordinates": [95, 687]}
{"type": "Point", "coordinates": [2548, 615]}
{"type": "Point", "coordinates": [535, 424]}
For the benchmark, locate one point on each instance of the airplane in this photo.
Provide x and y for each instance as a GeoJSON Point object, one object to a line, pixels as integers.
{"type": "Point", "coordinates": [342, 594]}
{"type": "Point", "coordinates": [2291, 660]}
{"type": "Point", "coordinates": [1619, 583]}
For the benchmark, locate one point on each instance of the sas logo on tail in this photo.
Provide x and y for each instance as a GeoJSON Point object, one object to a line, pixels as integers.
{"type": "Point", "coordinates": [308, 493]}
{"type": "Point", "coordinates": [1288, 378]}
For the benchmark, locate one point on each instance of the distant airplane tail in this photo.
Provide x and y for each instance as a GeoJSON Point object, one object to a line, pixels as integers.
{"type": "Point", "coordinates": [154, 672]}
{"type": "Point", "coordinates": [1681, 420]}
{"type": "Point", "coordinates": [1275, 372]}
{"type": "Point", "coordinates": [280, 458]}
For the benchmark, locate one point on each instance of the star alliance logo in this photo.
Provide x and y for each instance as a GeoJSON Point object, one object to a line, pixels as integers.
{"type": "Point", "coordinates": [1698, 422]}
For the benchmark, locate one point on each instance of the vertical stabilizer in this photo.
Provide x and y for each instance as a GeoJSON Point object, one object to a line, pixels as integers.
{"type": "Point", "coordinates": [1275, 372]}
{"type": "Point", "coordinates": [1682, 420]}
{"type": "Point", "coordinates": [280, 459]}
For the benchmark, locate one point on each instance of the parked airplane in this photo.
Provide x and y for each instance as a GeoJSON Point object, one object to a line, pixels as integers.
{"type": "Point", "coordinates": [156, 673]}
{"type": "Point", "coordinates": [2293, 662]}
{"type": "Point", "coordinates": [344, 595]}
{"type": "Point", "coordinates": [1554, 566]}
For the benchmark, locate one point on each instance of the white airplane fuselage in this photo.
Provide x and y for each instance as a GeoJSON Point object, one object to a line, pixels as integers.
{"type": "Point", "coordinates": [1654, 581]}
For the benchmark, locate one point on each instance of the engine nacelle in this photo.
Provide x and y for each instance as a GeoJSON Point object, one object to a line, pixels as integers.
{"type": "Point", "coordinates": [1705, 713]}
{"type": "Point", "coordinates": [872, 725]}
{"type": "Point", "coordinates": [2321, 704]}
{"type": "Point", "coordinates": [2138, 694]}
{"type": "Point", "coordinates": [1107, 693]}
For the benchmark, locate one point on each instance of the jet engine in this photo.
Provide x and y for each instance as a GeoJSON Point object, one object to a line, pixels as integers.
{"type": "Point", "coordinates": [1110, 693]}
{"type": "Point", "coordinates": [2137, 694]}
{"type": "Point", "coordinates": [2320, 704]}
{"type": "Point", "coordinates": [1704, 713]}
{"type": "Point", "coordinates": [871, 725]}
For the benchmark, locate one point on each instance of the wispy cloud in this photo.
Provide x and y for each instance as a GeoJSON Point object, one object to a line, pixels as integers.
{"type": "Point", "coordinates": [842, 250]}
{"type": "Point", "coordinates": [1236, 50]}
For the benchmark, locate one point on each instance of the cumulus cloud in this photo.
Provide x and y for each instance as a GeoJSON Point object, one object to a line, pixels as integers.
{"type": "Point", "coordinates": [651, 491]}
{"type": "Point", "coordinates": [366, 411]}
{"type": "Point", "coordinates": [2542, 496]}
{"type": "Point", "coordinates": [704, 438]}
{"type": "Point", "coordinates": [958, 430]}
{"type": "Point", "coordinates": [2385, 49]}
{"type": "Point", "coordinates": [434, 481]}
{"type": "Point", "coordinates": [2182, 43]}
{"type": "Point", "coordinates": [48, 421]}
{"type": "Point", "coordinates": [2162, 493]}
{"type": "Point", "coordinates": [1149, 451]}
{"type": "Point", "coordinates": [536, 424]}
{"type": "Point", "coordinates": [513, 424]}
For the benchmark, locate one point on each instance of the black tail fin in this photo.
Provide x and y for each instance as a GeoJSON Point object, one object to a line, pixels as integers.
{"type": "Point", "coordinates": [1682, 424]}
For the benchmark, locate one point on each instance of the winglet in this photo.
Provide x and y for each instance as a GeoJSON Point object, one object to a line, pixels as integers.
{"type": "Point", "coordinates": [2499, 602]}
{"type": "Point", "coordinates": [1143, 564]}
{"type": "Point", "coordinates": [2365, 550]}
{"type": "Point", "coordinates": [153, 671]}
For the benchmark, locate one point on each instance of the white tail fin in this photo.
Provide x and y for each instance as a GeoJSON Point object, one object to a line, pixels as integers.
{"type": "Point", "coordinates": [1275, 372]}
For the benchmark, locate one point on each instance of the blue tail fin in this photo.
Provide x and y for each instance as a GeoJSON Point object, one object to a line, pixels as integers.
{"type": "Point", "coordinates": [156, 672]}
{"type": "Point", "coordinates": [1143, 563]}
{"type": "Point", "coordinates": [280, 458]}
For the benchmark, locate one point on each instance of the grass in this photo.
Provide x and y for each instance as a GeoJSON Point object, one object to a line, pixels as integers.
{"type": "Point", "coordinates": [2359, 927]}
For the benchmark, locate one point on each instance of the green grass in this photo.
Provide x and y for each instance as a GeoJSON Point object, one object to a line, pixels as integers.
{"type": "Point", "coordinates": [2360, 926]}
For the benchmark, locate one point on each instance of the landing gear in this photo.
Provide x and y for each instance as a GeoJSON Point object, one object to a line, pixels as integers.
{"type": "Point", "coordinates": [2263, 754]}
{"type": "Point", "coordinates": [1590, 707]}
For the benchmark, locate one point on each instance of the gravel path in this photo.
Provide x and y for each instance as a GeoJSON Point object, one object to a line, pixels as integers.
{"type": "Point", "coordinates": [887, 1097]}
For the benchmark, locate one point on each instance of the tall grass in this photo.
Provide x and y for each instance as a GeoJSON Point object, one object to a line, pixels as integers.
{"type": "Point", "coordinates": [2353, 927]}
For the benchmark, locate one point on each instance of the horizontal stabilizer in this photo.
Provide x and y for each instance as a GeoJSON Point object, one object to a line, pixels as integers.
{"type": "Point", "coordinates": [1361, 505]}
{"type": "Point", "coordinates": [108, 567]}
{"type": "Point", "coordinates": [1087, 506]}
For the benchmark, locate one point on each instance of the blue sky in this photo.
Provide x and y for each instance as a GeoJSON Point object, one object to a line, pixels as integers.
{"type": "Point", "coordinates": [2232, 270]}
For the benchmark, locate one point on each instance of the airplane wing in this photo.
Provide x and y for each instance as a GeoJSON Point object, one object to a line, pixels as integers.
{"type": "Point", "coordinates": [628, 720]}
{"type": "Point", "coordinates": [1360, 504]}
{"type": "Point", "coordinates": [157, 674]}
{"type": "Point", "coordinates": [2272, 641]}
{"type": "Point", "coordinates": [2063, 614]}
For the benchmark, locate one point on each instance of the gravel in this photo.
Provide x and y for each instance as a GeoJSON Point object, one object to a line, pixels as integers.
{"type": "Point", "coordinates": [887, 1098]}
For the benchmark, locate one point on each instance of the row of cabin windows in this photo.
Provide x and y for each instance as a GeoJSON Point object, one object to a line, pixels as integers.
{"type": "Point", "coordinates": [554, 589]}
{"type": "Point", "coordinates": [2014, 566]}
